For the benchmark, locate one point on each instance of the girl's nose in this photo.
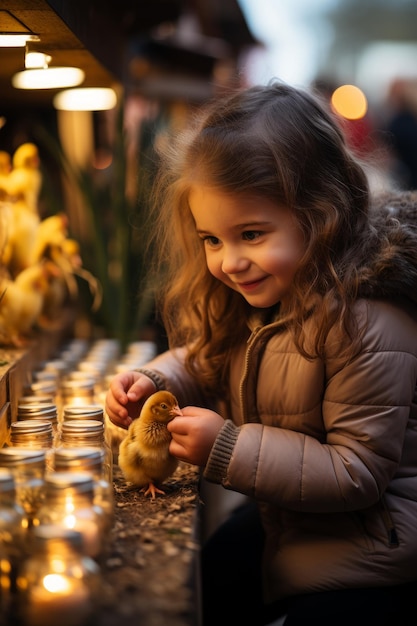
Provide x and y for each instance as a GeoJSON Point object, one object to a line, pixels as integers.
{"type": "Point", "coordinates": [234, 262]}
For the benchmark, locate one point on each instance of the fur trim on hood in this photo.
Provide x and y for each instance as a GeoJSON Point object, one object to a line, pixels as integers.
{"type": "Point", "coordinates": [390, 270]}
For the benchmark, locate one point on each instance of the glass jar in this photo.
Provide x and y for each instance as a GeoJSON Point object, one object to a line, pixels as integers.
{"type": "Point", "coordinates": [89, 460]}
{"type": "Point", "coordinates": [47, 412]}
{"type": "Point", "coordinates": [28, 467]}
{"type": "Point", "coordinates": [59, 585]}
{"type": "Point", "coordinates": [77, 391]}
{"type": "Point", "coordinates": [7, 602]}
{"type": "Point", "coordinates": [74, 350]}
{"type": "Point", "coordinates": [58, 366]}
{"type": "Point", "coordinates": [38, 375]}
{"type": "Point", "coordinates": [69, 503]}
{"type": "Point", "coordinates": [13, 531]}
{"type": "Point", "coordinates": [96, 367]}
{"type": "Point", "coordinates": [86, 412]}
{"type": "Point", "coordinates": [105, 350]}
{"type": "Point", "coordinates": [12, 515]}
{"type": "Point", "coordinates": [33, 399]}
{"type": "Point", "coordinates": [34, 434]}
{"type": "Point", "coordinates": [83, 411]}
{"type": "Point", "coordinates": [87, 433]}
{"type": "Point", "coordinates": [43, 388]}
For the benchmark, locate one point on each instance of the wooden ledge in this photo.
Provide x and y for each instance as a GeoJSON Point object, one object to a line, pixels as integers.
{"type": "Point", "coordinates": [17, 366]}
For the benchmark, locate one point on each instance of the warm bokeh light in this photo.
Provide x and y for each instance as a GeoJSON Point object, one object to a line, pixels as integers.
{"type": "Point", "coordinates": [48, 78]}
{"type": "Point", "coordinates": [37, 60]}
{"type": "Point", "coordinates": [86, 99]}
{"type": "Point", "coordinates": [55, 583]}
{"type": "Point", "coordinates": [16, 40]}
{"type": "Point", "coordinates": [350, 102]}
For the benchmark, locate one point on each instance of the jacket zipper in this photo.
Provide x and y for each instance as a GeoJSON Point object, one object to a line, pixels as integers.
{"type": "Point", "coordinates": [243, 380]}
{"type": "Point", "coordinates": [393, 540]}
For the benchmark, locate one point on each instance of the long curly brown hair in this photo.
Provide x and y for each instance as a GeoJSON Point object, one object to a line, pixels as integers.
{"type": "Point", "coordinates": [275, 142]}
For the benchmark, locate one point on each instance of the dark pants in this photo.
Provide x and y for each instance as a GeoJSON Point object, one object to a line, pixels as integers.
{"type": "Point", "coordinates": [232, 589]}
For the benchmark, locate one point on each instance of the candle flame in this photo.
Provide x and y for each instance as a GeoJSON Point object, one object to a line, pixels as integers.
{"type": "Point", "coordinates": [55, 583]}
{"type": "Point", "coordinates": [70, 521]}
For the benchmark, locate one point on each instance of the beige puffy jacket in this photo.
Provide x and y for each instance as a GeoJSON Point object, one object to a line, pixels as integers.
{"type": "Point", "coordinates": [328, 449]}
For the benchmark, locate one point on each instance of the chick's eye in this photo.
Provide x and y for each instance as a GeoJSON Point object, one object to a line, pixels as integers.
{"type": "Point", "coordinates": [163, 405]}
{"type": "Point", "coordinates": [251, 235]}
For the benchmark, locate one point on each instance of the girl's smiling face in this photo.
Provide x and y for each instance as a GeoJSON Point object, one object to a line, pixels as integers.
{"type": "Point", "coordinates": [252, 244]}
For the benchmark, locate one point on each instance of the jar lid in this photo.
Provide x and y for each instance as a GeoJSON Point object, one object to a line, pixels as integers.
{"type": "Point", "coordinates": [43, 387]}
{"type": "Point", "coordinates": [85, 411]}
{"type": "Point", "coordinates": [29, 427]}
{"type": "Point", "coordinates": [77, 409]}
{"type": "Point", "coordinates": [59, 366]}
{"type": "Point", "coordinates": [35, 399]}
{"type": "Point", "coordinates": [45, 375]}
{"type": "Point", "coordinates": [72, 482]}
{"type": "Point", "coordinates": [81, 375]}
{"type": "Point", "coordinates": [83, 426]}
{"type": "Point", "coordinates": [74, 385]}
{"type": "Point", "coordinates": [95, 368]}
{"type": "Point", "coordinates": [47, 533]}
{"type": "Point", "coordinates": [83, 458]}
{"type": "Point", "coordinates": [15, 456]}
{"type": "Point", "coordinates": [41, 408]}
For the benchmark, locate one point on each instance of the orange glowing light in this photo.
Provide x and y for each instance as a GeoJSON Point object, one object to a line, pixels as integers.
{"type": "Point", "coordinates": [350, 102]}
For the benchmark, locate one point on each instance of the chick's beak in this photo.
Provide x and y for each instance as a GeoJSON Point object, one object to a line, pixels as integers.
{"type": "Point", "coordinates": [176, 411]}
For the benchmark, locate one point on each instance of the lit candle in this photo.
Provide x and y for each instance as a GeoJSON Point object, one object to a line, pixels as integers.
{"type": "Point", "coordinates": [69, 504]}
{"type": "Point", "coordinates": [90, 532]}
{"type": "Point", "coordinates": [58, 584]}
{"type": "Point", "coordinates": [58, 601]}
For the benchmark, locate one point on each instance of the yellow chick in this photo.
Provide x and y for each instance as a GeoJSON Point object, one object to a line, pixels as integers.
{"type": "Point", "coordinates": [5, 169]}
{"type": "Point", "coordinates": [66, 256]}
{"type": "Point", "coordinates": [51, 235]}
{"type": "Point", "coordinates": [52, 230]}
{"type": "Point", "coordinates": [25, 179]}
{"type": "Point", "coordinates": [6, 215]}
{"type": "Point", "coordinates": [23, 186]}
{"type": "Point", "coordinates": [116, 435]}
{"type": "Point", "coordinates": [21, 239]}
{"type": "Point", "coordinates": [144, 456]}
{"type": "Point", "coordinates": [22, 301]}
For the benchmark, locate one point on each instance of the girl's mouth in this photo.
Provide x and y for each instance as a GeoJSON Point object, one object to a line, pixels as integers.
{"type": "Point", "coordinates": [250, 285]}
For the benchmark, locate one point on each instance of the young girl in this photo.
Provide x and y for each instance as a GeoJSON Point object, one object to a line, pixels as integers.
{"type": "Point", "coordinates": [290, 309]}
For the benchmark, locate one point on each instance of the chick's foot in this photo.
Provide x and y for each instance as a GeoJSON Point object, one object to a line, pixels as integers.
{"type": "Point", "coordinates": [152, 490]}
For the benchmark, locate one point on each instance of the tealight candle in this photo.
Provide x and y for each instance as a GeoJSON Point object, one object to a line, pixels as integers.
{"type": "Point", "coordinates": [69, 504]}
{"type": "Point", "coordinates": [58, 585]}
{"type": "Point", "coordinates": [58, 600]}
{"type": "Point", "coordinates": [28, 468]}
{"type": "Point", "coordinates": [84, 459]}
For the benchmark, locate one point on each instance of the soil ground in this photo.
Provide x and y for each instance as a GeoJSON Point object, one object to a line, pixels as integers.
{"type": "Point", "coordinates": [150, 563]}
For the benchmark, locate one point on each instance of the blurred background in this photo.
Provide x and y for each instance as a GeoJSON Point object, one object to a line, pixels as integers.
{"type": "Point", "coordinates": [161, 61]}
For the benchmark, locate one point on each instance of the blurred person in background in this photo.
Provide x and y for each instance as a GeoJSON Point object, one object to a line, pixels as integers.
{"type": "Point", "coordinates": [401, 130]}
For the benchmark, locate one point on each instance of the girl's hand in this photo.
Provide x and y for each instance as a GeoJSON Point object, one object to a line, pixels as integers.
{"type": "Point", "coordinates": [194, 433]}
{"type": "Point", "coordinates": [126, 395]}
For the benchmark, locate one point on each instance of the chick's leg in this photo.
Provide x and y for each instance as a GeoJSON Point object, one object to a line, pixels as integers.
{"type": "Point", "coordinates": [152, 490]}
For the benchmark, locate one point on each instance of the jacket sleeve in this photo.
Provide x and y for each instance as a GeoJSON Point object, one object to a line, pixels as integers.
{"type": "Point", "coordinates": [170, 372]}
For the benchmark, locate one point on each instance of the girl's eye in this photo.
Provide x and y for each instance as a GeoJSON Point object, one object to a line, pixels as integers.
{"type": "Point", "coordinates": [211, 240]}
{"type": "Point", "coordinates": [251, 235]}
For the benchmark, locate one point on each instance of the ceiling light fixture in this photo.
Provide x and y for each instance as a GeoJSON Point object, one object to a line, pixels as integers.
{"type": "Point", "coordinates": [86, 99]}
{"type": "Point", "coordinates": [16, 40]}
{"type": "Point", "coordinates": [38, 60]}
{"type": "Point", "coordinates": [13, 32]}
{"type": "Point", "coordinates": [38, 74]}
